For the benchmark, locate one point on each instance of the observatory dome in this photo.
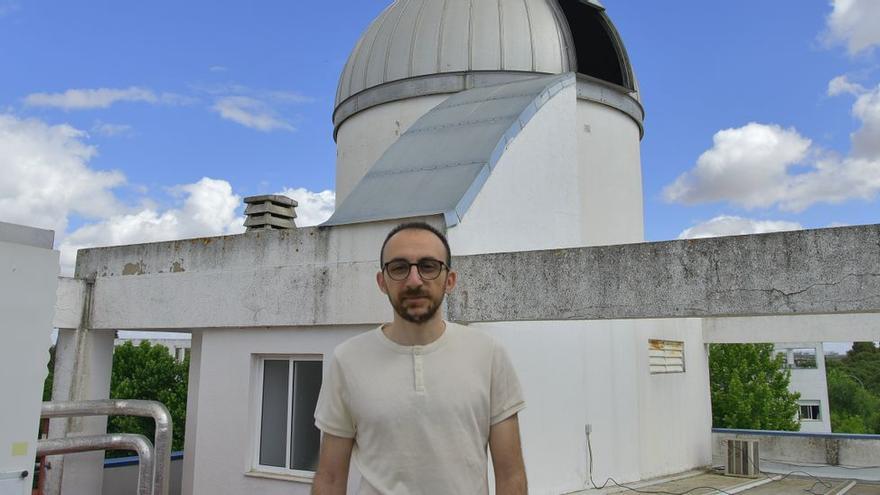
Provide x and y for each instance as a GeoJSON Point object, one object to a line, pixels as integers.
{"type": "Point", "coordinates": [422, 47]}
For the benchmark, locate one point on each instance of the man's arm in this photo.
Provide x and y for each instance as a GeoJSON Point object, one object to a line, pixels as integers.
{"type": "Point", "coordinates": [510, 470]}
{"type": "Point", "coordinates": [332, 475]}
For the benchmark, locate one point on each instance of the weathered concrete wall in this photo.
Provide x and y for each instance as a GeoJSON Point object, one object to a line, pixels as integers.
{"type": "Point", "coordinates": [297, 277]}
{"type": "Point", "coordinates": [306, 277]}
{"type": "Point", "coordinates": [804, 272]}
{"type": "Point", "coordinates": [69, 301]}
{"type": "Point", "coordinates": [810, 448]}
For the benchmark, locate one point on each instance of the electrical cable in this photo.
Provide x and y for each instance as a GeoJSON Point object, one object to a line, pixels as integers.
{"type": "Point", "coordinates": [810, 490]}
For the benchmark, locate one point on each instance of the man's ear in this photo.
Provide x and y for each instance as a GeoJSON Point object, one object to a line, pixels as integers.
{"type": "Point", "coordinates": [451, 279]}
{"type": "Point", "coordinates": [380, 281]}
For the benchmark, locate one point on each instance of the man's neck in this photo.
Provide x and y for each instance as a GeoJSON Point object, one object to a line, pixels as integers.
{"type": "Point", "coordinates": [405, 332]}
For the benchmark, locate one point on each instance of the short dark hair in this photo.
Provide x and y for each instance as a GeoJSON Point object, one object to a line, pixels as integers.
{"type": "Point", "coordinates": [417, 226]}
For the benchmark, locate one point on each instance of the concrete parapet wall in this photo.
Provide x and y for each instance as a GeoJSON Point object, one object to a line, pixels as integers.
{"type": "Point", "coordinates": [324, 276]}
{"type": "Point", "coordinates": [810, 448]}
{"type": "Point", "coordinates": [804, 272]}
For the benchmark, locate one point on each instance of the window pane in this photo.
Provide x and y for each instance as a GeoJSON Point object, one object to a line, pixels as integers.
{"type": "Point", "coordinates": [304, 436]}
{"type": "Point", "coordinates": [273, 424]}
{"type": "Point", "coordinates": [804, 358]}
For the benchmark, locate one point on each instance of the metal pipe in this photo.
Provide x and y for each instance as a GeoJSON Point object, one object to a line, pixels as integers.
{"type": "Point", "coordinates": [126, 441]}
{"type": "Point", "coordinates": [124, 407]}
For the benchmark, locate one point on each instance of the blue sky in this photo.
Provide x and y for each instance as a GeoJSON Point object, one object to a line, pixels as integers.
{"type": "Point", "coordinates": [126, 122]}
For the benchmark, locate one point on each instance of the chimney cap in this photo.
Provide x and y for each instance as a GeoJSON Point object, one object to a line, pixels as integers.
{"type": "Point", "coordinates": [274, 198]}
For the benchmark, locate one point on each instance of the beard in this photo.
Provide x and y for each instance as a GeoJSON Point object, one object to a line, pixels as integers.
{"type": "Point", "coordinates": [404, 312]}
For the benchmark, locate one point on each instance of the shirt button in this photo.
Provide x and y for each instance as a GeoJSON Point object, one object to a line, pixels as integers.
{"type": "Point", "coordinates": [417, 350]}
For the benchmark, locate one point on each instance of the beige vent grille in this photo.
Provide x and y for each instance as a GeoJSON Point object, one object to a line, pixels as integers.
{"type": "Point", "coordinates": [666, 356]}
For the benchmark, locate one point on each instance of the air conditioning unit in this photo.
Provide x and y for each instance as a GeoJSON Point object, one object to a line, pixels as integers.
{"type": "Point", "coordinates": [742, 458]}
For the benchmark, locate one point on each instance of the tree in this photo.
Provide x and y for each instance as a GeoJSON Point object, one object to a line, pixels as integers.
{"type": "Point", "coordinates": [854, 390]}
{"type": "Point", "coordinates": [149, 372]}
{"type": "Point", "coordinates": [749, 388]}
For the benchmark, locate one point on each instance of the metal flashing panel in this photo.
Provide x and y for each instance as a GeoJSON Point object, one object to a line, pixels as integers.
{"type": "Point", "coordinates": [440, 164]}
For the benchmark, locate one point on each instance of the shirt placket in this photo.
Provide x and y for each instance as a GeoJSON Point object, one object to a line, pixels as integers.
{"type": "Point", "coordinates": [418, 354]}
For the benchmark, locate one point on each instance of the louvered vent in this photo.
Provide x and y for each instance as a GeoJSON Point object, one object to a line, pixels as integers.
{"type": "Point", "coordinates": [742, 458]}
{"type": "Point", "coordinates": [666, 356]}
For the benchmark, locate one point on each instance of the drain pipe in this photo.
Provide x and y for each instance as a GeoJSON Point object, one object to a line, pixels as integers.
{"type": "Point", "coordinates": [137, 443]}
{"type": "Point", "coordinates": [122, 407]}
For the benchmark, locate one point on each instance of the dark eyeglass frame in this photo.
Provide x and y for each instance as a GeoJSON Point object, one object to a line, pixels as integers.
{"type": "Point", "coordinates": [418, 266]}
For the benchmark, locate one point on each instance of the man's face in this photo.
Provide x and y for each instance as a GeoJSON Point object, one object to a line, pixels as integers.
{"type": "Point", "coordinates": [412, 298]}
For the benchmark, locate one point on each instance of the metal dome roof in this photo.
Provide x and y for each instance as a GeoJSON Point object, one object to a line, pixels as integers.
{"type": "Point", "coordinates": [419, 37]}
{"type": "Point", "coordinates": [419, 47]}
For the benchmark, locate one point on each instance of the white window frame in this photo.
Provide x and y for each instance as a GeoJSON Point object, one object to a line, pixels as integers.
{"type": "Point", "coordinates": [810, 403]}
{"type": "Point", "coordinates": [257, 408]}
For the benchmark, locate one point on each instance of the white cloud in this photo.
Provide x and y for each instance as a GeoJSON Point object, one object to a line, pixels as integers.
{"type": "Point", "coordinates": [746, 166]}
{"type": "Point", "coordinates": [757, 165]}
{"type": "Point", "coordinates": [82, 99]}
{"type": "Point", "coordinates": [217, 68]}
{"type": "Point", "coordinates": [111, 130]}
{"type": "Point", "coordinates": [209, 208]}
{"type": "Point", "coordinates": [855, 23]}
{"type": "Point", "coordinates": [731, 225]}
{"type": "Point", "coordinates": [250, 112]}
{"type": "Point", "coordinates": [842, 85]}
{"type": "Point", "coordinates": [313, 207]}
{"type": "Point", "coordinates": [46, 176]}
{"type": "Point", "coordinates": [866, 140]}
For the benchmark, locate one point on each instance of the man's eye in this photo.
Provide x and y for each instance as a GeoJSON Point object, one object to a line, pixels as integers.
{"type": "Point", "coordinates": [429, 266]}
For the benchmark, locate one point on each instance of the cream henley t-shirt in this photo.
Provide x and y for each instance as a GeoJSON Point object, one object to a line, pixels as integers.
{"type": "Point", "coordinates": [420, 415]}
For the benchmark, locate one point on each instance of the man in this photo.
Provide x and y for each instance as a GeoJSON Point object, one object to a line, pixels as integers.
{"type": "Point", "coordinates": [416, 402]}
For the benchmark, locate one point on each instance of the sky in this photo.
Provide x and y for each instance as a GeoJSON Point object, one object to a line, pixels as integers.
{"type": "Point", "coordinates": [126, 122]}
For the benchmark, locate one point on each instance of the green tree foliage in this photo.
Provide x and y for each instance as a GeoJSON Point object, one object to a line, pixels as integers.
{"type": "Point", "coordinates": [149, 372]}
{"type": "Point", "coordinates": [854, 390]}
{"type": "Point", "coordinates": [749, 387]}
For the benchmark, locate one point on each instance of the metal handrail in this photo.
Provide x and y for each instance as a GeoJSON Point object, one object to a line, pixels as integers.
{"type": "Point", "coordinates": [123, 407]}
{"type": "Point", "coordinates": [120, 441]}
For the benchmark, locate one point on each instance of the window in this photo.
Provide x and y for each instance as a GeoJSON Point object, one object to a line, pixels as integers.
{"type": "Point", "coordinates": [809, 411]}
{"type": "Point", "coordinates": [666, 356]}
{"type": "Point", "coordinates": [287, 439]}
{"type": "Point", "coordinates": [598, 49]}
{"type": "Point", "coordinates": [804, 358]}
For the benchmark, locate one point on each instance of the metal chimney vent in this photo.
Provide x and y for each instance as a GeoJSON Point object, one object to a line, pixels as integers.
{"type": "Point", "coordinates": [269, 211]}
{"type": "Point", "coordinates": [742, 458]}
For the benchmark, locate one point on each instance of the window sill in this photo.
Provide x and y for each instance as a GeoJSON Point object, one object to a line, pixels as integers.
{"type": "Point", "coordinates": [281, 477]}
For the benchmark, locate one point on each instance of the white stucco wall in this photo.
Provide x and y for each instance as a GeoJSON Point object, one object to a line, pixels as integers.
{"type": "Point", "coordinates": [224, 441]}
{"type": "Point", "coordinates": [575, 373]}
{"type": "Point", "coordinates": [365, 136]}
{"type": "Point", "coordinates": [610, 175]}
{"type": "Point", "coordinates": [531, 199]}
{"type": "Point", "coordinates": [28, 282]}
{"type": "Point", "coordinates": [572, 177]}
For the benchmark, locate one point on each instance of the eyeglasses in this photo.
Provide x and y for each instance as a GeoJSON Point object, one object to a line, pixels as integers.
{"type": "Point", "coordinates": [428, 269]}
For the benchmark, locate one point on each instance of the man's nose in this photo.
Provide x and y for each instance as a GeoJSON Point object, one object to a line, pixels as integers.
{"type": "Point", "coordinates": [413, 279]}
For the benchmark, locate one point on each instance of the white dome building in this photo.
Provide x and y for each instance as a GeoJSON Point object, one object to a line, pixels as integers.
{"type": "Point", "coordinates": [418, 53]}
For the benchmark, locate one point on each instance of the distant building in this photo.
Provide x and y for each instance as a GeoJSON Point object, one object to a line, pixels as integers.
{"type": "Point", "coordinates": [807, 365]}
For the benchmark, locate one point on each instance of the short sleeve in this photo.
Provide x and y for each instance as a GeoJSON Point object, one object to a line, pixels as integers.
{"type": "Point", "coordinates": [331, 412]}
{"type": "Point", "coordinates": [506, 394]}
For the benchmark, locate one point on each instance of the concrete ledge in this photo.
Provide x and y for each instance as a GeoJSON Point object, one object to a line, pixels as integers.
{"type": "Point", "coordinates": [795, 447]}
{"type": "Point", "coordinates": [804, 272]}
